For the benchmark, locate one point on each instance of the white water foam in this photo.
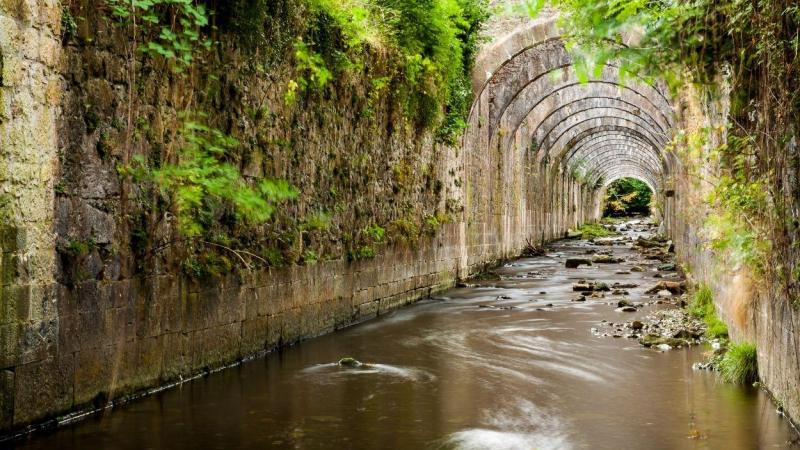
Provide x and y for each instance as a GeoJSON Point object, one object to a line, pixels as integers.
{"type": "Point", "coordinates": [522, 427]}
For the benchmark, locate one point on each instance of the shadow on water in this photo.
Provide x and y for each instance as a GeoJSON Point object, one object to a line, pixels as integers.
{"type": "Point", "coordinates": [508, 364]}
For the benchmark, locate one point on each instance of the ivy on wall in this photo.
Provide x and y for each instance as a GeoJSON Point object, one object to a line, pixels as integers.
{"type": "Point", "coordinates": [194, 182]}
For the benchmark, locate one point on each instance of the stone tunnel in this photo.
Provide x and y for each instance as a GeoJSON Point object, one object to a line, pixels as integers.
{"type": "Point", "coordinates": [539, 150]}
{"type": "Point", "coordinates": [560, 140]}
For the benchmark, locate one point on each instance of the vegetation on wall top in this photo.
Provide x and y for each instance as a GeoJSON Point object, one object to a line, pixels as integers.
{"type": "Point", "coordinates": [431, 44]}
{"type": "Point", "coordinates": [414, 57]}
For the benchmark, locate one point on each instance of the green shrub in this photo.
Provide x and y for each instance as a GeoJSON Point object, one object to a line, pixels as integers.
{"type": "Point", "coordinates": [740, 363]}
{"type": "Point", "coordinates": [702, 307]}
{"type": "Point", "coordinates": [201, 185]}
{"type": "Point", "coordinates": [436, 41]}
{"type": "Point", "coordinates": [593, 230]}
{"type": "Point", "coordinates": [317, 221]}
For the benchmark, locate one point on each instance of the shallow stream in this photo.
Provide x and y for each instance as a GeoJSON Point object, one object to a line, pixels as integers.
{"type": "Point", "coordinates": [508, 364]}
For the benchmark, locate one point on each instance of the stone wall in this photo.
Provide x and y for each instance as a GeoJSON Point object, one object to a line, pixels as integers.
{"type": "Point", "coordinates": [88, 317]}
{"type": "Point", "coordinates": [30, 87]}
{"type": "Point", "coordinates": [754, 308]}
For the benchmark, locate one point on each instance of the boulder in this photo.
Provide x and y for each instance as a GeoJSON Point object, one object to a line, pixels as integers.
{"type": "Point", "coordinates": [667, 267]}
{"type": "Point", "coordinates": [586, 286]}
{"type": "Point", "coordinates": [574, 263]}
{"type": "Point", "coordinates": [686, 334]}
{"type": "Point", "coordinates": [349, 362]}
{"type": "Point", "coordinates": [655, 340]}
{"type": "Point", "coordinates": [674, 287]}
{"type": "Point", "coordinates": [607, 259]}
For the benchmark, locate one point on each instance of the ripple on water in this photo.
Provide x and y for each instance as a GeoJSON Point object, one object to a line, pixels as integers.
{"type": "Point", "coordinates": [333, 371]}
{"type": "Point", "coordinates": [523, 426]}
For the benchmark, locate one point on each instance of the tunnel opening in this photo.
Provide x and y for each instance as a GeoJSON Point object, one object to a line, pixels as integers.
{"type": "Point", "coordinates": [626, 197]}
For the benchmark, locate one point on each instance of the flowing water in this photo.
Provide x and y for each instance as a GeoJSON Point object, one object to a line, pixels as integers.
{"type": "Point", "coordinates": [461, 370]}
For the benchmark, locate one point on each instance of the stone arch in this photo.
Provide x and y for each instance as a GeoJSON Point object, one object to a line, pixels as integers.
{"type": "Point", "coordinates": [533, 121]}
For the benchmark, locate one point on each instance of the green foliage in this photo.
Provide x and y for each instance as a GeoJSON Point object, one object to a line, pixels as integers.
{"type": "Point", "coordinates": [179, 38]}
{"type": "Point", "coordinates": [68, 25]}
{"type": "Point", "coordinates": [754, 47]}
{"type": "Point", "coordinates": [375, 233]}
{"type": "Point", "coordinates": [740, 363]}
{"type": "Point", "coordinates": [743, 205]}
{"type": "Point", "coordinates": [314, 73]}
{"type": "Point", "coordinates": [405, 230]}
{"type": "Point", "coordinates": [653, 39]}
{"type": "Point", "coordinates": [593, 230]}
{"type": "Point", "coordinates": [702, 307]}
{"type": "Point", "coordinates": [201, 185]}
{"type": "Point", "coordinates": [81, 247]}
{"type": "Point", "coordinates": [436, 41]}
{"type": "Point", "coordinates": [318, 221]}
{"type": "Point", "coordinates": [310, 257]}
{"type": "Point", "coordinates": [627, 196]}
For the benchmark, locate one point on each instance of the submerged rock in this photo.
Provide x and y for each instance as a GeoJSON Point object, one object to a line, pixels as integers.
{"type": "Point", "coordinates": [348, 361]}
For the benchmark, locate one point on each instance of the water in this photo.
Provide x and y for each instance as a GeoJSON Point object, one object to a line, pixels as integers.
{"type": "Point", "coordinates": [448, 373]}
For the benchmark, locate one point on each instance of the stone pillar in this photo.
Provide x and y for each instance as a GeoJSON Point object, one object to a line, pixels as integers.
{"type": "Point", "coordinates": [30, 48]}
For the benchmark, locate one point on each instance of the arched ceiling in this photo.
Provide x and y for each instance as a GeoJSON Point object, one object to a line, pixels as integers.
{"type": "Point", "coordinates": [529, 98]}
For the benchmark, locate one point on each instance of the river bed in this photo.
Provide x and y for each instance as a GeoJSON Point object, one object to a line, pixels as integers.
{"type": "Point", "coordinates": [499, 364]}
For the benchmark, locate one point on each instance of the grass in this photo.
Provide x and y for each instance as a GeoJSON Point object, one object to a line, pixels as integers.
{"type": "Point", "coordinates": [702, 307]}
{"type": "Point", "coordinates": [593, 230]}
{"type": "Point", "coordinates": [740, 363]}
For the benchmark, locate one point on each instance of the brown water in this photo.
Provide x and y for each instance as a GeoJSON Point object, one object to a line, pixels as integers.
{"type": "Point", "coordinates": [450, 374]}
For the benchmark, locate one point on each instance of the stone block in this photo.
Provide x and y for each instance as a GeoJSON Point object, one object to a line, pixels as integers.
{"type": "Point", "coordinates": [7, 393]}
{"type": "Point", "coordinates": [43, 388]}
{"type": "Point", "coordinates": [176, 359]}
{"type": "Point", "coordinates": [215, 347]}
{"type": "Point", "coordinates": [255, 335]}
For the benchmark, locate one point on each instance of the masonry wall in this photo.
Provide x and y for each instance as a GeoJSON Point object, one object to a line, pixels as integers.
{"type": "Point", "coordinates": [88, 317]}
{"type": "Point", "coordinates": [30, 87]}
{"type": "Point", "coordinates": [754, 308]}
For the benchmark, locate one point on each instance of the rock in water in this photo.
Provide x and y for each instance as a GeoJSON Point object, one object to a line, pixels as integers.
{"type": "Point", "coordinates": [349, 362]}
{"type": "Point", "coordinates": [675, 287]}
{"type": "Point", "coordinates": [607, 259]}
{"type": "Point", "coordinates": [574, 263]}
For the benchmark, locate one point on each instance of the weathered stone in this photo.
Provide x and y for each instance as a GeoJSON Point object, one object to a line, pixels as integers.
{"type": "Point", "coordinates": [574, 263]}
{"type": "Point", "coordinates": [674, 287]}
{"type": "Point", "coordinates": [607, 259]}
